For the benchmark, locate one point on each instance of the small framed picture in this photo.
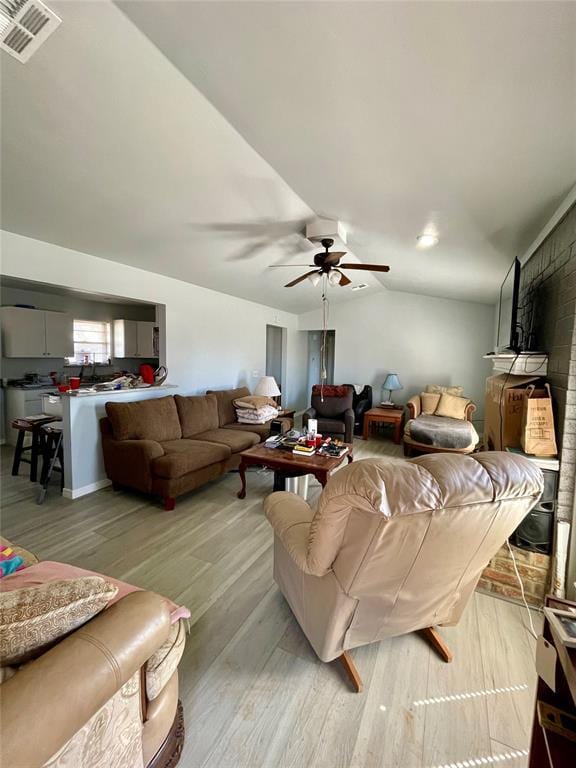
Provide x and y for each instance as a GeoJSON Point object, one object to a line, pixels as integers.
{"type": "Point", "coordinates": [564, 623]}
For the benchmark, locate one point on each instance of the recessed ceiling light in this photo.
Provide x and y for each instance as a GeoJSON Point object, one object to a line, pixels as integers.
{"type": "Point", "coordinates": [359, 287]}
{"type": "Point", "coordinates": [427, 240]}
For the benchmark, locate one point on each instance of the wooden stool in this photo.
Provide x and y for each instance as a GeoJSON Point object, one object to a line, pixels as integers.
{"type": "Point", "coordinates": [51, 438]}
{"type": "Point", "coordinates": [31, 426]}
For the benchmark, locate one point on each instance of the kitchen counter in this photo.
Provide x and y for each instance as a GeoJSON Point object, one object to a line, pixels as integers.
{"type": "Point", "coordinates": [89, 392]}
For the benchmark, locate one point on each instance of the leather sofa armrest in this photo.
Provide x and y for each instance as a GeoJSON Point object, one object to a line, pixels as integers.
{"type": "Point", "coordinates": [291, 516]}
{"type": "Point", "coordinates": [127, 462]}
{"type": "Point", "coordinates": [470, 408]}
{"type": "Point", "coordinates": [414, 407]}
{"type": "Point", "coordinates": [59, 692]}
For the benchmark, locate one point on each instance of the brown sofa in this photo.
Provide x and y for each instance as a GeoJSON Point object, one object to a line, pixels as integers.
{"type": "Point", "coordinates": [168, 446]}
{"type": "Point", "coordinates": [106, 694]}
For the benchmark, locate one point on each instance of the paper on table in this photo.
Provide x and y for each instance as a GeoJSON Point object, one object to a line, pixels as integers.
{"type": "Point", "coordinates": [546, 662]}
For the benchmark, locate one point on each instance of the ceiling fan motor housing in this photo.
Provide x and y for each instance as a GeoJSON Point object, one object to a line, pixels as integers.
{"type": "Point", "coordinates": [320, 229]}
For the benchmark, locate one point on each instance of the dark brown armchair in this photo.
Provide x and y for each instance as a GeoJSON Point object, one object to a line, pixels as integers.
{"type": "Point", "coordinates": [332, 407]}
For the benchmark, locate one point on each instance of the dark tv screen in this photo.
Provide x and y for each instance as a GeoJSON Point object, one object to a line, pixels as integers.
{"type": "Point", "coordinates": [507, 338]}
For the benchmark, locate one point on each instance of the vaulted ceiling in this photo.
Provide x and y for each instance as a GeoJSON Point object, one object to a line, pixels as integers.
{"type": "Point", "coordinates": [138, 123]}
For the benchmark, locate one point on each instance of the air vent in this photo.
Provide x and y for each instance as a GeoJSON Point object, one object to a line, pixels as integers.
{"type": "Point", "coordinates": [24, 26]}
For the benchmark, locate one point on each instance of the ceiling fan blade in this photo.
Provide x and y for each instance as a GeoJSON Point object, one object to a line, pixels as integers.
{"type": "Point", "coordinates": [367, 267]}
{"type": "Point", "coordinates": [343, 279]}
{"type": "Point", "coordinates": [299, 279]}
{"type": "Point", "coordinates": [333, 256]}
{"type": "Point", "coordinates": [250, 250]}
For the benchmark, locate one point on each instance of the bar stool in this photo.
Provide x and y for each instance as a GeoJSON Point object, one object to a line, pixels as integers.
{"type": "Point", "coordinates": [30, 425]}
{"type": "Point", "coordinates": [51, 439]}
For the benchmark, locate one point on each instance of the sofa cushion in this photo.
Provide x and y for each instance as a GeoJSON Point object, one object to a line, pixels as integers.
{"type": "Point", "coordinates": [225, 398]}
{"type": "Point", "coordinates": [32, 618]}
{"type": "Point", "coordinates": [235, 439]}
{"type": "Point", "coordinates": [429, 402]}
{"type": "Point", "coordinates": [161, 665]}
{"type": "Point", "coordinates": [154, 419]}
{"type": "Point", "coordinates": [451, 406]}
{"type": "Point", "coordinates": [331, 426]}
{"type": "Point", "coordinates": [183, 456]}
{"type": "Point", "coordinates": [439, 389]}
{"type": "Point", "coordinates": [197, 414]}
{"type": "Point", "coordinates": [442, 432]}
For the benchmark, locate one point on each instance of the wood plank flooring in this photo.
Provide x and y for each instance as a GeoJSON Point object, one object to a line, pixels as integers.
{"type": "Point", "coordinates": [254, 694]}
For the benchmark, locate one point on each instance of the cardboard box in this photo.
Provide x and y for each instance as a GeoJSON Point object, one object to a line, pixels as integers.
{"type": "Point", "coordinates": [503, 409]}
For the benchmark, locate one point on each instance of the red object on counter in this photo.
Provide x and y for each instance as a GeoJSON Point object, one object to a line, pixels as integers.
{"type": "Point", "coordinates": [63, 387]}
{"type": "Point", "coordinates": [74, 382]}
{"type": "Point", "coordinates": [147, 373]}
{"type": "Point", "coordinates": [318, 440]}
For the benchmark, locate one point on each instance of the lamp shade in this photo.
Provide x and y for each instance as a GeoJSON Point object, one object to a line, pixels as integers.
{"type": "Point", "coordinates": [267, 386]}
{"type": "Point", "coordinates": [392, 382]}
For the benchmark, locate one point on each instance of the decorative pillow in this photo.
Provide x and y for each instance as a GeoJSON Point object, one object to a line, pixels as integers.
{"type": "Point", "coordinates": [454, 407]}
{"type": "Point", "coordinates": [439, 389]}
{"type": "Point", "coordinates": [32, 618]}
{"type": "Point", "coordinates": [331, 390]}
{"type": "Point", "coordinates": [253, 402]}
{"type": "Point", "coordinates": [429, 402]}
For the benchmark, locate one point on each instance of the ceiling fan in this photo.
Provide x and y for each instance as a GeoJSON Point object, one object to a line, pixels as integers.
{"type": "Point", "coordinates": [326, 263]}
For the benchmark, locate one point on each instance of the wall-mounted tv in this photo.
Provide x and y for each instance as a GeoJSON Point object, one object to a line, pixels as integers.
{"type": "Point", "coordinates": [508, 338]}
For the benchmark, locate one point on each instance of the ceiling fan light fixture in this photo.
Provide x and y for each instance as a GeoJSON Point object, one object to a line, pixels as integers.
{"type": "Point", "coordinates": [314, 279]}
{"type": "Point", "coordinates": [334, 277]}
{"type": "Point", "coordinates": [427, 240]}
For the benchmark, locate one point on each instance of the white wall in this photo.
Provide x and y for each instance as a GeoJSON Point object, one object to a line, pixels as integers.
{"type": "Point", "coordinates": [212, 340]}
{"type": "Point", "coordinates": [421, 338]}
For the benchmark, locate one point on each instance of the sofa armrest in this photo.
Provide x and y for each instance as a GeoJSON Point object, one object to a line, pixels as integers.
{"type": "Point", "coordinates": [60, 691]}
{"type": "Point", "coordinates": [291, 516]}
{"type": "Point", "coordinates": [127, 462]}
{"type": "Point", "coordinates": [349, 419]}
{"type": "Point", "coordinates": [414, 407]}
{"type": "Point", "coordinates": [470, 408]}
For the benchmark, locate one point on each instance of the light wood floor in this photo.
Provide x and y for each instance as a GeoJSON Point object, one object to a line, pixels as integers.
{"type": "Point", "coordinates": [254, 694]}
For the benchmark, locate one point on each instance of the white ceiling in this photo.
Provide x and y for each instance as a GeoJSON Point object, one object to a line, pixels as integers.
{"type": "Point", "coordinates": [390, 116]}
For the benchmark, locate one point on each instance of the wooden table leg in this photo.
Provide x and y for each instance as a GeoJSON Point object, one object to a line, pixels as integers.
{"type": "Point", "coordinates": [398, 432]}
{"type": "Point", "coordinates": [242, 473]}
{"type": "Point", "coordinates": [366, 428]}
{"type": "Point", "coordinates": [321, 476]}
{"type": "Point", "coordinates": [18, 452]}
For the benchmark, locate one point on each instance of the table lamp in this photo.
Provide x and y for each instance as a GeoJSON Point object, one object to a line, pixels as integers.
{"type": "Point", "coordinates": [391, 384]}
{"type": "Point", "coordinates": [267, 386]}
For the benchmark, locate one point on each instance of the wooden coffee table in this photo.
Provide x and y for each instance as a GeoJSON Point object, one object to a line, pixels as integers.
{"type": "Point", "coordinates": [393, 416]}
{"type": "Point", "coordinates": [287, 463]}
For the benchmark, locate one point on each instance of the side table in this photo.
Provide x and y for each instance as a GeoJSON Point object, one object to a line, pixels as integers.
{"type": "Point", "coordinates": [392, 416]}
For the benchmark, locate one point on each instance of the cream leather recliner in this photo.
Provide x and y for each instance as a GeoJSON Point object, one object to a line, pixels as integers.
{"type": "Point", "coordinates": [395, 546]}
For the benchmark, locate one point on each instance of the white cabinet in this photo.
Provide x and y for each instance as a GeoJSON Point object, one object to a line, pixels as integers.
{"type": "Point", "coordinates": [36, 333]}
{"type": "Point", "coordinates": [135, 338]}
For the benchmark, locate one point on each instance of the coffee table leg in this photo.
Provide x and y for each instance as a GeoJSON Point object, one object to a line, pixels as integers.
{"type": "Point", "coordinates": [242, 473]}
{"type": "Point", "coordinates": [322, 477]}
{"type": "Point", "coordinates": [350, 458]}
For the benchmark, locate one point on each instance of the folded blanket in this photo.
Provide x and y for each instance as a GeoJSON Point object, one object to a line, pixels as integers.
{"type": "Point", "coordinates": [258, 416]}
{"type": "Point", "coordinates": [253, 402]}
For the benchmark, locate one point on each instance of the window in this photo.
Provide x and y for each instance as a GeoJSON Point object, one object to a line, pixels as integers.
{"type": "Point", "coordinates": [91, 342]}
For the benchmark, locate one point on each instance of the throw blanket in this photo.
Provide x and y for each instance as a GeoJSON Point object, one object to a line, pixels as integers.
{"type": "Point", "coordinates": [442, 432]}
{"type": "Point", "coordinates": [330, 390]}
{"type": "Point", "coordinates": [253, 402]}
{"type": "Point", "coordinates": [257, 416]}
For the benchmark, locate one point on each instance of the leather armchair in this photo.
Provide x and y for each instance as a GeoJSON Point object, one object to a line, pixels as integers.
{"type": "Point", "coordinates": [334, 413]}
{"type": "Point", "coordinates": [360, 404]}
{"type": "Point", "coordinates": [100, 696]}
{"type": "Point", "coordinates": [395, 546]}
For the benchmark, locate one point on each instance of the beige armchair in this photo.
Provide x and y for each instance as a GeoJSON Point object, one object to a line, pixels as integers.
{"type": "Point", "coordinates": [426, 432]}
{"type": "Point", "coordinates": [395, 546]}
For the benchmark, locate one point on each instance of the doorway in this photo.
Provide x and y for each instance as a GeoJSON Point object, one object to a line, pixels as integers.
{"type": "Point", "coordinates": [315, 357]}
{"type": "Point", "coordinates": [276, 354]}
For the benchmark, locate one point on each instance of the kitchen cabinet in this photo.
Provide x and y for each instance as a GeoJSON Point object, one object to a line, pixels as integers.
{"type": "Point", "coordinates": [135, 338]}
{"type": "Point", "coordinates": [36, 333]}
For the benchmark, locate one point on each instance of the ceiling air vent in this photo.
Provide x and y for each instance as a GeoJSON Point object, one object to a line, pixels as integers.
{"type": "Point", "coordinates": [24, 26]}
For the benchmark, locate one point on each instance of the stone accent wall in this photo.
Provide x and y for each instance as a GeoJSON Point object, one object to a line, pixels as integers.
{"type": "Point", "coordinates": [547, 314]}
{"type": "Point", "coordinates": [499, 578]}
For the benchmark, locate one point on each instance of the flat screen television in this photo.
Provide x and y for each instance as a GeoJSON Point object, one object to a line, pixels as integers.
{"type": "Point", "coordinates": [508, 338]}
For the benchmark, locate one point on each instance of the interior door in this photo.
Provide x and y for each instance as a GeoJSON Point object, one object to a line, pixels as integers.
{"type": "Point", "coordinates": [59, 334]}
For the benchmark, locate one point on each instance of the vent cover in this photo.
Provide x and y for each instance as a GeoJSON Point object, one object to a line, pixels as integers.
{"type": "Point", "coordinates": [24, 26]}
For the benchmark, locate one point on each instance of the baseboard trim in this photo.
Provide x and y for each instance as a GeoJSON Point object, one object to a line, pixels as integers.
{"type": "Point", "coordinates": [76, 493]}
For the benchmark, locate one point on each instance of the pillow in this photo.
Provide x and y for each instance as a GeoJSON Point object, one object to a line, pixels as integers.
{"type": "Point", "coordinates": [429, 402]}
{"type": "Point", "coordinates": [9, 561]}
{"type": "Point", "coordinates": [253, 402]}
{"type": "Point", "coordinates": [451, 406]}
{"type": "Point", "coordinates": [50, 571]}
{"type": "Point", "coordinates": [439, 389]}
{"type": "Point", "coordinates": [32, 618]}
